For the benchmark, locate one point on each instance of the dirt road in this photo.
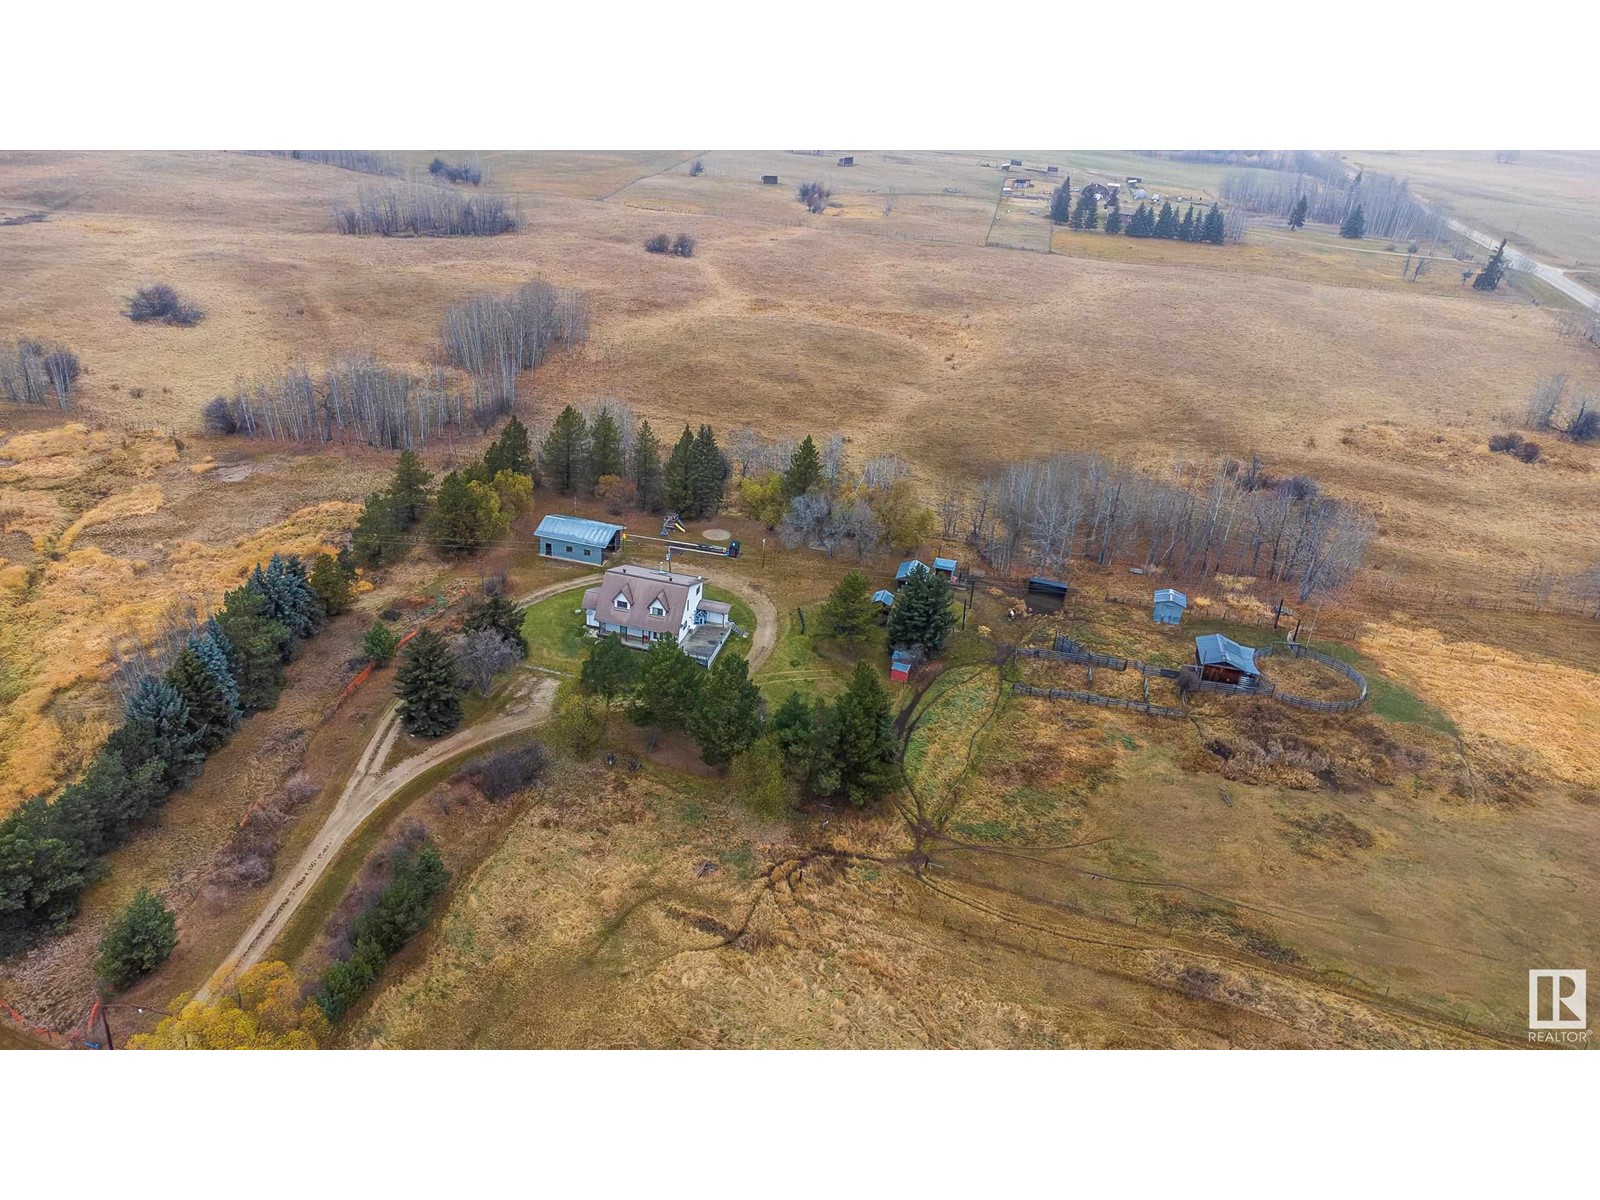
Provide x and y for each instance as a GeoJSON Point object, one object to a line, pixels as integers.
{"type": "Point", "coordinates": [369, 785]}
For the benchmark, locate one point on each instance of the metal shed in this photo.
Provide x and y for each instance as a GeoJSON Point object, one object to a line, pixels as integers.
{"type": "Point", "coordinates": [1169, 606]}
{"type": "Point", "coordinates": [945, 567]}
{"type": "Point", "coordinates": [574, 539]}
{"type": "Point", "coordinates": [903, 572]}
{"type": "Point", "coordinates": [900, 664]}
{"type": "Point", "coordinates": [769, 179]}
{"type": "Point", "coordinates": [1223, 660]}
{"type": "Point", "coordinates": [884, 597]}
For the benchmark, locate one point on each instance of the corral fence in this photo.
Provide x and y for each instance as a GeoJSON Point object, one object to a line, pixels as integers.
{"type": "Point", "coordinates": [1189, 680]}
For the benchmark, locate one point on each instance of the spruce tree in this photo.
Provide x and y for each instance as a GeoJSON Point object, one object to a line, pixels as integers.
{"type": "Point", "coordinates": [646, 468]}
{"type": "Point", "coordinates": [861, 740]}
{"type": "Point", "coordinates": [564, 457]}
{"type": "Point", "coordinates": [805, 469]}
{"type": "Point", "coordinates": [1355, 224]}
{"type": "Point", "coordinates": [291, 587]}
{"type": "Point", "coordinates": [669, 684]}
{"type": "Point", "coordinates": [511, 451]}
{"type": "Point", "coordinates": [380, 643]}
{"type": "Point", "coordinates": [1091, 211]}
{"type": "Point", "coordinates": [330, 582]}
{"type": "Point", "coordinates": [500, 615]}
{"type": "Point", "coordinates": [257, 643]}
{"type": "Point", "coordinates": [42, 873]}
{"type": "Point", "coordinates": [1114, 221]}
{"type": "Point", "coordinates": [1297, 218]}
{"type": "Point", "coordinates": [429, 687]}
{"type": "Point", "coordinates": [708, 474]}
{"type": "Point", "coordinates": [1489, 278]}
{"type": "Point", "coordinates": [921, 614]}
{"type": "Point", "coordinates": [212, 648]}
{"type": "Point", "coordinates": [794, 726]}
{"type": "Point", "coordinates": [1186, 229]}
{"type": "Point", "coordinates": [408, 490]}
{"type": "Point", "coordinates": [1167, 223]}
{"type": "Point", "coordinates": [137, 941]}
{"type": "Point", "coordinates": [1140, 225]}
{"type": "Point", "coordinates": [376, 537]}
{"type": "Point", "coordinates": [678, 478]}
{"type": "Point", "coordinates": [211, 716]}
{"type": "Point", "coordinates": [1061, 203]}
{"type": "Point", "coordinates": [726, 718]}
{"type": "Point", "coordinates": [1078, 209]}
{"type": "Point", "coordinates": [605, 448]}
{"type": "Point", "coordinates": [1216, 227]}
{"type": "Point", "coordinates": [157, 729]}
{"type": "Point", "coordinates": [849, 610]}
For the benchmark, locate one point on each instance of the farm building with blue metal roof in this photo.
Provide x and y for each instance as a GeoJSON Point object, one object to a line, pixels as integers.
{"type": "Point", "coordinates": [945, 566]}
{"type": "Point", "coordinates": [1169, 606]}
{"type": "Point", "coordinates": [904, 571]}
{"type": "Point", "coordinates": [884, 597]}
{"type": "Point", "coordinates": [575, 539]}
{"type": "Point", "coordinates": [1223, 660]}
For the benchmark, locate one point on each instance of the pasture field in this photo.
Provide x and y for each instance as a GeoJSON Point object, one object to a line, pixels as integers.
{"type": "Point", "coordinates": [1367, 882]}
{"type": "Point", "coordinates": [1545, 201]}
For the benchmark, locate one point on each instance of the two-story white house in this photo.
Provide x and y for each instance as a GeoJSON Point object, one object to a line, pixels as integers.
{"type": "Point", "coordinates": [642, 606]}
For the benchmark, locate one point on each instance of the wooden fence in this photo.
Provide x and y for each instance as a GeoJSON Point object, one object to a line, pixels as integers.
{"type": "Point", "coordinates": [1333, 664]}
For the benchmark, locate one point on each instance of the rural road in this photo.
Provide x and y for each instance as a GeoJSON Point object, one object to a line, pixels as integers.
{"type": "Point", "coordinates": [1554, 276]}
{"type": "Point", "coordinates": [369, 785]}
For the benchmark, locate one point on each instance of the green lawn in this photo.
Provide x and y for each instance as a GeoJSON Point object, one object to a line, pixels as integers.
{"type": "Point", "coordinates": [1387, 698]}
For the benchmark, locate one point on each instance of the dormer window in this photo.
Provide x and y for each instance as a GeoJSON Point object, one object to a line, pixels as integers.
{"type": "Point", "coordinates": [657, 609]}
{"type": "Point", "coordinates": [621, 602]}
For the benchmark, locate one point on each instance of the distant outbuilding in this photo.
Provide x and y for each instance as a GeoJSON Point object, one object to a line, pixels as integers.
{"type": "Point", "coordinates": [903, 573]}
{"type": "Point", "coordinates": [769, 179]}
{"type": "Point", "coordinates": [901, 663]}
{"type": "Point", "coordinates": [884, 597]}
{"type": "Point", "coordinates": [1169, 606]}
{"type": "Point", "coordinates": [945, 567]}
{"type": "Point", "coordinates": [847, 161]}
{"type": "Point", "coordinates": [575, 539]}
{"type": "Point", "coordinates": [1223, 660]}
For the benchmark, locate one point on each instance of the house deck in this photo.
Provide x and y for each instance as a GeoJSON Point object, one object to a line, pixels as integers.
{"type": "Point", "coordinates": [706, 642]}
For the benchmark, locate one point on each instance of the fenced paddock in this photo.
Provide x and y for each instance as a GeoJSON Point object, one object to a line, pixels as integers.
{"type": "Point", "coordinates": [1067, 650]}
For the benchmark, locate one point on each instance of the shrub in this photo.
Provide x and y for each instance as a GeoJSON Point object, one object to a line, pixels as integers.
{"type": "Point", "coordinates": [658, 244]}
{"type": "Point", "coordinates": [158, 302]}
{"type": "Point", "coordinates": [507, 772]}
{"type": "Point", "coordinates": [218, 417]}
{"type": "Point", "coordinates": [1505, 443]}
{"type": "Point", "coordinates": [1585, 427]}
{"type": "Point", "coordinates": [137, 942]}
{"type": "Point", "coordinates": [695, 168]}
{"type": "Point", "coordinates": [1529, 452]}
{"type": "Point", "coordinates": [683, 246]}
{"type": "Point", "coordinates": [456, 172]}
{"type": "Point", "coordinates": [814, 196]}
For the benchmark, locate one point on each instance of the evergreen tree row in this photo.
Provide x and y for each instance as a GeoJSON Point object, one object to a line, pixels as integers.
{"type": "Point", "coordinates": [588, 455]}
{"type": "Point", "coordinates": [230, 666]}
{"type": "Point", "coordinates": [1195, 226]}
{"type": "Point", "coordinates": [844, 749]}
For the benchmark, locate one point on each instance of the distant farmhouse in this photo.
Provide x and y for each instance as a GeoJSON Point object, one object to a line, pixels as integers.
{"type": "Point", "coordinates": [574, 539]}
{"type": "Point", "coordinates": [642, 606]}
{"type": "Point", "coordinates": [1106, 195]}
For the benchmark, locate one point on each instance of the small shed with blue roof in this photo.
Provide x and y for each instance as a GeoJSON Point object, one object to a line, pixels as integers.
{"type": "Point", "coordinates": [945, 567]}
{"type": "Point", "coordinates": [904, 571]}
{"type": "Point", "coordinates": [574, 539]}
{"type": "Point", "coordinates": [884, 597]}
{"type": "Point", "coordinates": [1169, 606]}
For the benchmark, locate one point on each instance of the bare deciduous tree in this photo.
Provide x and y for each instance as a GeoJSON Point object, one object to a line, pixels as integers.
{"type": "Point", "coordinates": [481, 655]}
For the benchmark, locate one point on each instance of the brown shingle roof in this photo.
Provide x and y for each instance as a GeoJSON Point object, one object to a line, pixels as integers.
{"type": "Point", "coordinates": [640, 586]}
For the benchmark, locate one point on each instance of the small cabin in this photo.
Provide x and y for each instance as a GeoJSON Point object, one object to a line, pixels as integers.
{"type": "Point", "coordinates": [847, 161]}
{"type": "Point", "coordinates": [573, 539]}
{"type": "Point", "coordinates": [903, 571]}
{"type": "Point", "coordinates": [945, 567]}
{"type": "Point", "coordinates": [1223, 660]}
{"type": "Point", "coordinates": [1051, 170]}
{"type": "Point", "coordinates": [901, 663]}
{"type": "Point", "coordinates": [769, 179]}
{"type": "Point", "coordinates": [883, 598]}
{"type": "Point", "coordinates": [1015, 162]}
{"type": "Point", "coordinates": [1169, 607]}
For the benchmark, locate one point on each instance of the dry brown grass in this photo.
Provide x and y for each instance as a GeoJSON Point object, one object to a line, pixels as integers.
{"type": "Point", "coordinates": [798, 323]}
